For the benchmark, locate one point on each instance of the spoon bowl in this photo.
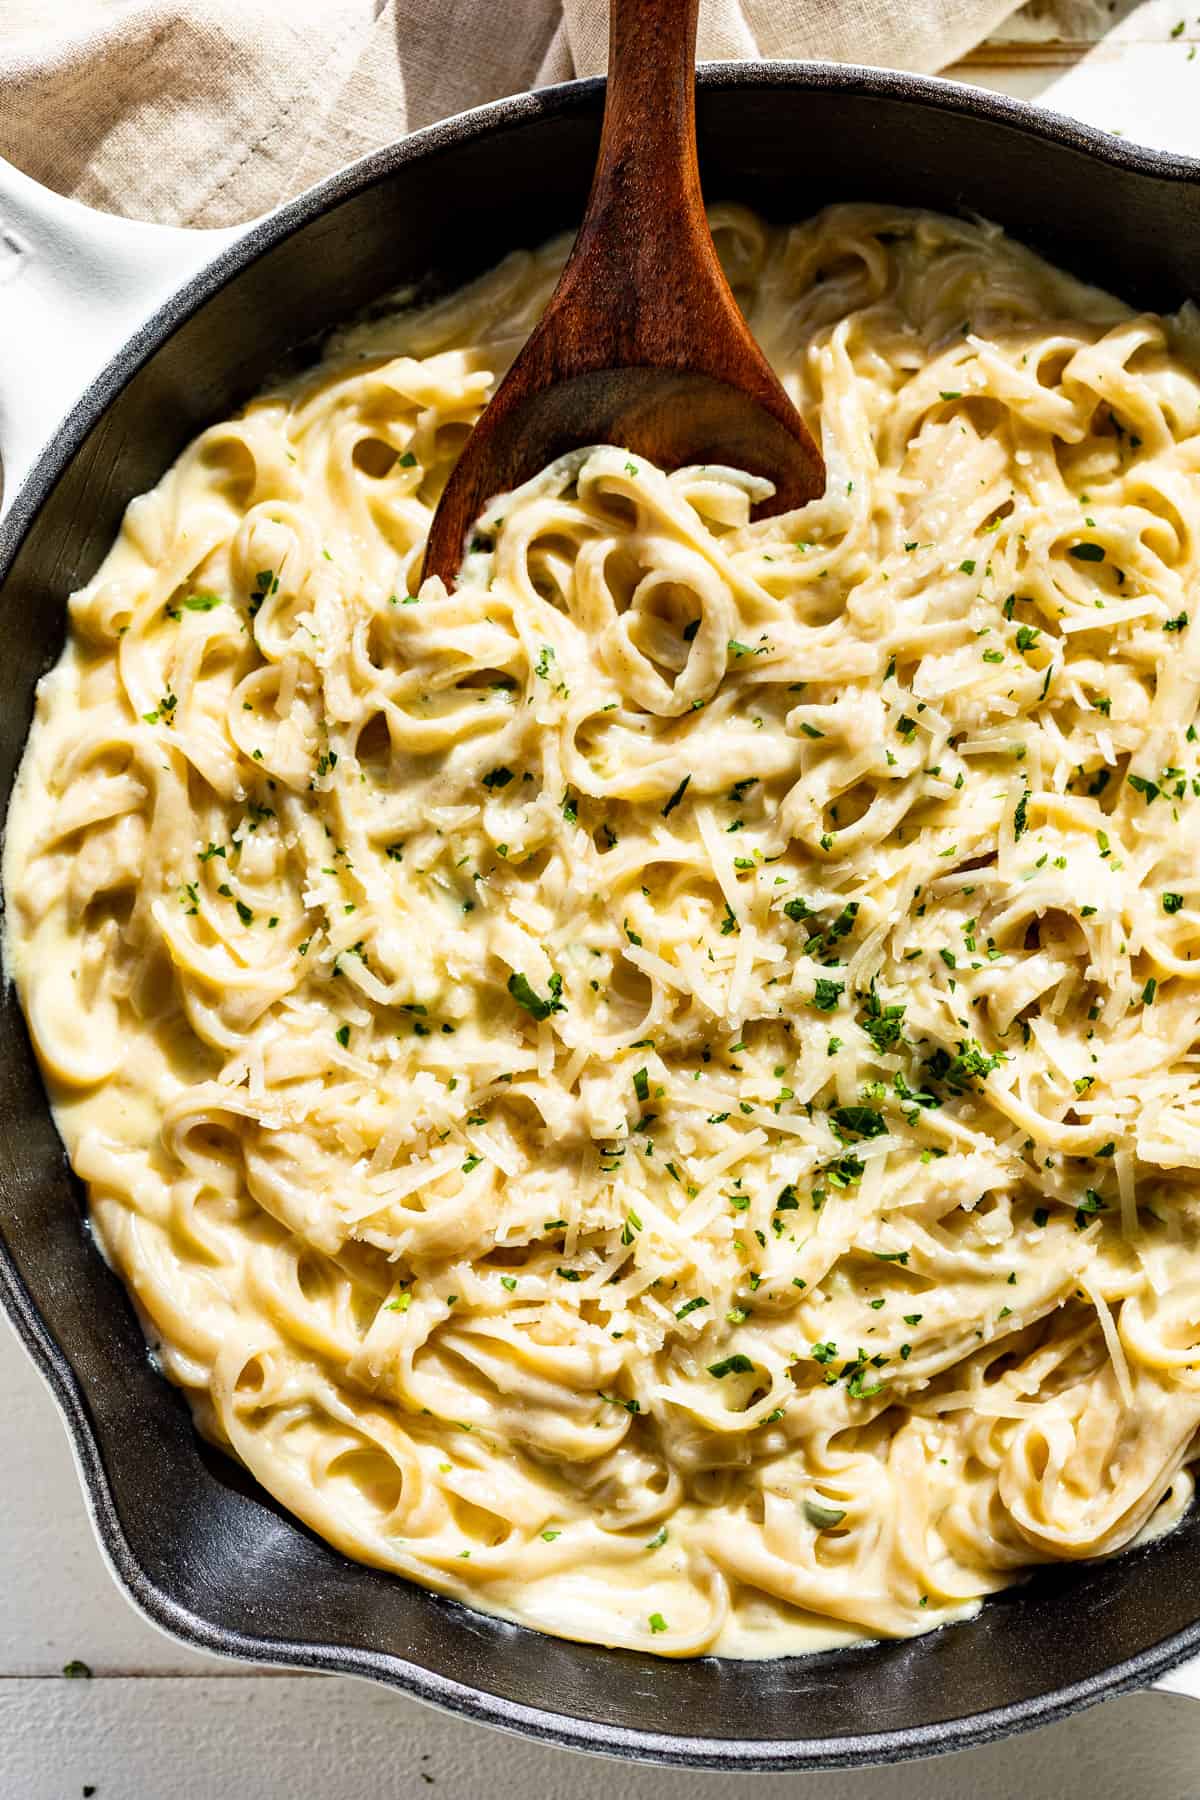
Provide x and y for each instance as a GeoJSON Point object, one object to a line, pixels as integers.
{"type": "Point", "coordinates": [642, 343]}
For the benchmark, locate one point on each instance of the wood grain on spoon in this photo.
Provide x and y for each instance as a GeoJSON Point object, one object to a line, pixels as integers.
{"type": "Point", "coordinates": [642, 343]}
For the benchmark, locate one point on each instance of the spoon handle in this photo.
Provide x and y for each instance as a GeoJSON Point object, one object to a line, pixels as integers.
{"type": "Point", "coordinates": [647, 162]}
{"type": "Point", "coordinates": [644, 236]}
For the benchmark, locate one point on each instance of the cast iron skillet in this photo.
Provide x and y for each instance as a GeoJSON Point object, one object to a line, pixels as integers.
{"type": "Point", "coordinates": [195, 1543]}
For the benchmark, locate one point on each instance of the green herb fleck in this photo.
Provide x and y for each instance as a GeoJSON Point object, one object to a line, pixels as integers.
{"type": "Point", "coordinates": [524, 995]}
{"type": "Point", "coordinates": [823, 1518]}
{"type": "Point", "coordinates": [676, 797]}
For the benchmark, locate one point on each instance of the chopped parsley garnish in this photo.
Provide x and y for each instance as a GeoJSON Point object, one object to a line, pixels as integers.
{"type": "Point", "coordinates": [881, 1023]}
{"type": "Point", "coordinates": [1171, 903]}
{"type": "Point", "coordinates": [1087, 552]}
{"type": "Point", "coordinates": [826, 994]}
{"type": "Point", "coordinates": [823, 1518]}
{"type": "Point", "coordinates": [630, 1406]}
{"type": "Point", "coordinates": [497, 778]}
{"type": "Point", "coordinates": [970, 1063]}
{"type": "Point", "coordinates": [859, 1121]}
{"type": "Point", "coordinates": [1020, 817]}
{"type": "Point", "coordinates": [164, 710]}
{"type": "Point", "coordinates": [737, 1364]}
{"type": "Point", "coordinates": [641, 1084]}
{"type": "Point", "coordinates": [676, 797]}
{"type": "Point", "coordinates": [844, 923]}
{"type": "Point", "coordinates": [342, 1034]}
{"type": "Point", "coordinates": [546, 665]}
{"type": "Point", "coordinates": [265, 583]}
{"type": "Point", "coordinates": [524, 995]}
{"type": "Point", "coordinates": [1091, 1204]}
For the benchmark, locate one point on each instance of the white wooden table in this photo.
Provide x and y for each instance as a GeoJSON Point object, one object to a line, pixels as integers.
{"type": "Point", "coordinates": [158, 1722]}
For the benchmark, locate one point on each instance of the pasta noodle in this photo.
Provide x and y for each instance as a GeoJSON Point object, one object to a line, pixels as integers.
{"type": "Point", "coordinates": [659, 1094]}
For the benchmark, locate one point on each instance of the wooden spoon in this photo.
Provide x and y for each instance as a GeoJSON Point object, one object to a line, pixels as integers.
{"type": "Point", "coordinates": [642, 343]}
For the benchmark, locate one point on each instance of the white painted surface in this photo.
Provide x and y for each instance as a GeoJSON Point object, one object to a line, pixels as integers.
{"type": "Point", "coordinates": [57, 1599]}
{"type": "Point", "coordinates": [298, 1738]}
{"type": "Point", "coordinates": [163, 1723]}
{"type": "Point", "coordinates": [1126, 68]}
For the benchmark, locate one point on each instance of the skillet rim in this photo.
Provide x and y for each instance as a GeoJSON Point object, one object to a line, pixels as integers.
{"type": "Point", "coordinates": [539, 1723]}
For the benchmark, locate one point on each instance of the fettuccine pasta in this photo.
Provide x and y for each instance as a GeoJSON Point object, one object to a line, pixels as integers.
{"type": "Point", "coordinates": [659, 1094]}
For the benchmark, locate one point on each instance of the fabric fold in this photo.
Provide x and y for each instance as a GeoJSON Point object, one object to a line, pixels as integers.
{"type": "Point", "coordinates": [208, 112]}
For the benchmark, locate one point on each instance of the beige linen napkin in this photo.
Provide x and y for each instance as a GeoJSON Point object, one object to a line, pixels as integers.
{"type": "Point", "coordinates": [207, 112]}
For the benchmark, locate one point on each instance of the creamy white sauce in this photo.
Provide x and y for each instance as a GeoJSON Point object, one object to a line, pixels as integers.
{"type": "Point", "coordinates": [658, 1094]}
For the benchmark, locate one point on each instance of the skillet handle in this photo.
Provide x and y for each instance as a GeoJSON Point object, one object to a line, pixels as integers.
{"type": "Point", "coordinates": [74, 286]}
